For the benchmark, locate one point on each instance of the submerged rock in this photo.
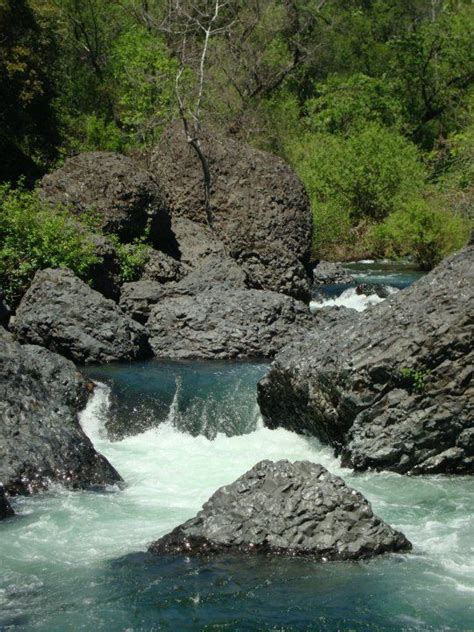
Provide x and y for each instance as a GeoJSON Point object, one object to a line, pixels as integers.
{"type": "Point", "coordinates": [62, 313]}
{"type": "Point", "coordinates": [393, 389]}
{"type": "Point", "coordinates": [285, 508]}
{"type": "Point", "coordinates": [124, 198]}
{"type": "Point", "coordinates": [41, 440]}
{"type": "Point", "coordinates": [328, 273]}
{"type": "Point", "coordinates": [256, 200]}
{"type": "Point", "coordinates": [368, 289]}
{"type": "Point", "coordinates": [223, 323]}
{"type": "Point", "coordinates": [5, 509]}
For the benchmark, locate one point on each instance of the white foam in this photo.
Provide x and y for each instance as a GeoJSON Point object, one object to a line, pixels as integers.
{"type": "Point", "coordinates": [349, 298]}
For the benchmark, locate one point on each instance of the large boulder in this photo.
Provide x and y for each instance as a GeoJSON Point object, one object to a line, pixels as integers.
{"type": "Point", "coordinates": [285, 508]}
{"type": "Point", "coordinates": [393, 388]}
{"type": "Point", "coordinates": [122, 196]}
{"type": "Point", "coordinates": [256, 200]}
{"type": "Point", "coordinates": [5, 508]}
{"type": "Point", "coordinates": [328, 273]}
{"type": "Point", "coordinates": [41, 440]}
{"type": "Point", "coordinates": [224, 323]}
{"type": "Point", "coordinates": [138, 298]}
{"type": "Point", "coordinates": [62, 313]}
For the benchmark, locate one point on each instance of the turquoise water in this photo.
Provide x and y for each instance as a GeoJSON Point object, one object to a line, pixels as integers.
{"type": "Point", "coordinates": [77, 561]}
{"type": "Point", "coordinates": [176, 432]}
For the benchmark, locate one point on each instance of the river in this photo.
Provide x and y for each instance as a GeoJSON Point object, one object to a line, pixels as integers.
{"type": "Point", "coordinates": [78, 561]}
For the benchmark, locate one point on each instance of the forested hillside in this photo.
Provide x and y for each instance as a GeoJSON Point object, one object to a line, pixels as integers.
{"type": "Point", "coordinates": [370, 101]}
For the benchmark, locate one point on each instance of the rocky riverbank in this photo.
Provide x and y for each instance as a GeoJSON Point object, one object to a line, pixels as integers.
{"type": "Point", "coordinates": [392, 389]}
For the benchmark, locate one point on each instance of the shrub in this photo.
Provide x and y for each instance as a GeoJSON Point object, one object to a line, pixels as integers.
{"type": "Point", "coordinates": [34, 236]}
{"type": "Point", "coordinates": [421, 230]}
{"type": "Point", "coordinates": [344, 104]}
{"type": "Point", "coordinates": [132, 257]}
{"type": "Point", "coordinates": [355, 181]}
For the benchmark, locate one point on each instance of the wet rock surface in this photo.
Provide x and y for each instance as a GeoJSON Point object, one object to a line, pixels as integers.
{"type": "Point", "coordinates": [256, 200]}
{"type": "Point", "coordinates": [123, 197]}
{"type": "Point", "coordinates": [223, 323]}
{"type": "Point", "coordinates": [41, 440]}
{"type": "Point", "coordinates": [328, 273]}
{"type": "Point", "coordinates": [5, 508]}
{"type": "Point", "coordinates": [62, 313]}
{"type": "Point", "coordinates": [285, 508]}
{"type": "Point", "coordinates": [393, 389]}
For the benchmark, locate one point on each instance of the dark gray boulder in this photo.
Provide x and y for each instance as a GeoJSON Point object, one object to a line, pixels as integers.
{"type": "Point", "coordinates": [285, 508]}
{"type": "Point", "coordinates": [224, 323]}
{"type": "Point", "coordinates": [41, 440]}
{"type": "Point", "coordinates": [138, 298]}
{"type": "Point", "coordinates": [62, 313]}
{"type": "Point", "coordinates": [196, 242]}
{"type": "Point", "coordinates": [5, 508]}
{"type": "Point", "coordinates": [373, 288]}
{"type": "Point", "coordinates": [394, 388]}
{"type": "Point", "coordinates": [124, 198]}
{"type": "Point", "coordinates": [328, 273]}
{"type": "Point", "coordinates": [256, 200]}
{"type": "Point", "coordinates": [162, 268]}
{"type": "Point", "coordinates": [213, 271]}
{"type": "Point", "coordinates": [274, 267]}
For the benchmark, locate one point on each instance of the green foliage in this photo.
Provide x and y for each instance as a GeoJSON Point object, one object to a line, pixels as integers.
{"type": "Point", "coordinates": [144, 74]}
{"type": "Point", "coordinates": [344, 104]}
{"type": "Point", "coordinates": [91, 132]}
{"type": "Point", "coordinates": [422, 230]}
{"type": "Point", "coordinates": [414, 378]}
{"type": "Point", "coordinates": [34, 236]}
{"type": "Point", "coordinates": [132, 257]}
{"type": "Point", "coordinates": [355, 181]}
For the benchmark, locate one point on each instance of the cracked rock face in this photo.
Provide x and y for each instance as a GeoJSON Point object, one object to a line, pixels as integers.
{"type": "Point", "coordinates": [392, 389]}
{"type": "Point", "coordinates": [223, 323]}
{"type": "Point", "coordinates": [62, 313]}
{"type": "Point", "coordinates": [41, 440]}
{"type": "Point", "coordinates": [285, 508]}
{"type": "Point", "coordinates": [124, 198]}
{"type": "Point", "coordinates": [256, 201]}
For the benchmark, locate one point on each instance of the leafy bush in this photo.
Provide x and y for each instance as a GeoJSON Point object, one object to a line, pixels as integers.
{"type": "Point", "coordinates": [421, 230]}
{"type": "Point", "coordinates": [344, 104]}
{"type": "Point", "coordinates": [355, 181]}
{"type": "Point", "coordinates": [34, 236]}
{"type": "Point", "coordinates": [144, 73]}
{"type": "Point", "coordinates": [132, 257]}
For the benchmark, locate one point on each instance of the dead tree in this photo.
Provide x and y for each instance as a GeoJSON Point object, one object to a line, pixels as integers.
{"type": "Point", "coordinates": [190, 27]}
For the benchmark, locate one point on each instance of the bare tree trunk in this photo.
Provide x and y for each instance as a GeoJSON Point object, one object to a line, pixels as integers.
{"type": "Point", "coordinates": [189, 21]}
